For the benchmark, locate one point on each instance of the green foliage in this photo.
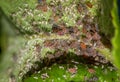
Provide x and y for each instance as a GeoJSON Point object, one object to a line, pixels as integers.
{"type": "Point", "coordinates": [116, 39]}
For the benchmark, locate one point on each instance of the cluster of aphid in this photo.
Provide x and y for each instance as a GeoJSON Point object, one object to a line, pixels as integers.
{"type": "Point", "coordinates": [37, 50]}
{"type": "Point", "coordinates": [59, 18]}
{"type": "Point", "coordinates": [33, 51]}
{"type": "Point", "coordinates": [29, 55]}
{"type": "Point", "coordinates": [32, 20]}
{"type": "Point", "coordinates": [44, 15]}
